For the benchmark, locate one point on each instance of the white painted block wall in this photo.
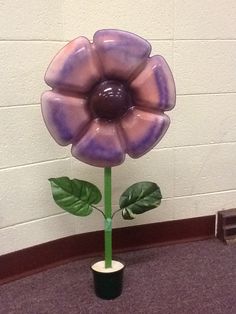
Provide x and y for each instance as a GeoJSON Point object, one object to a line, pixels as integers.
{"type": "Point", "coordinates": [194, 164]}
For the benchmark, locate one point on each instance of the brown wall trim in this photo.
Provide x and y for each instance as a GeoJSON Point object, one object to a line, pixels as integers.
{"type": "Point", "coordinates": [34, 259]}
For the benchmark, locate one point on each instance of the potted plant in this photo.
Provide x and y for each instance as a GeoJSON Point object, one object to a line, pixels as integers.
{"type": "Point", "coordinates": [108, 99]}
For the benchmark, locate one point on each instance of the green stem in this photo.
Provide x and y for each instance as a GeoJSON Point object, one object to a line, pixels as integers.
{"type": "Point", "coordinates": [108, 217]}
{"type": "Point", "coordinates": [115, 212]}
{"type": "Point", "coordinates": [99, 210]}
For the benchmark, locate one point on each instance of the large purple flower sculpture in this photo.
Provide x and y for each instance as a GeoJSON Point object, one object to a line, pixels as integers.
{"type": "Point", "coordinates": [108, 97]}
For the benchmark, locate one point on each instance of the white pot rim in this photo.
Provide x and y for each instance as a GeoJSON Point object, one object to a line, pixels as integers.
{"type": "Point", "coordinates": [100, 267]}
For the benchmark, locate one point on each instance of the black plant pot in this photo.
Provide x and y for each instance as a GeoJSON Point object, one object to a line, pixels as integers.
{"type": "Point", "coordinates": [108, 282]}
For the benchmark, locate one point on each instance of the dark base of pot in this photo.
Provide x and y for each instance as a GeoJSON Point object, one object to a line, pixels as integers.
{"type": "Point", "coordinates": [108, 285]}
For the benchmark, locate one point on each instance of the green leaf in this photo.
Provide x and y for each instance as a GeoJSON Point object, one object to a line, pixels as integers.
{"type": "Point", "coordinates": [75, 196]}
{"type": "Point", "coordinates": [127, 214]}
{"type": "Point", "coordinates": [139, 198]}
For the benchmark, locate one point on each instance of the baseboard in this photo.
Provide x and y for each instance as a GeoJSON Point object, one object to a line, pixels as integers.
{"type": "Point", "coordinates": [41, 257]}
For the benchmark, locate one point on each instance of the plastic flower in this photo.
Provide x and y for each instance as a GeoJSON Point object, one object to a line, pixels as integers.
{"type": "Point", "coordinates": [108, 97]}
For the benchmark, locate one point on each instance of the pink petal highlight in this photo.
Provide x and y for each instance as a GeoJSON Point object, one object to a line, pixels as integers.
{"type": "Point", "coordinates": [64, 116]}
{"type": "Point", "coordinates": [154, 87]}
{"type": "Point", "coordinates": [122, 53]}
{"type": "Point", "coordinates": [143, 130]}
{"type": "Point", "coordinates": [75, 67]}
{"type": "Point", "coordinates": [100, 146]}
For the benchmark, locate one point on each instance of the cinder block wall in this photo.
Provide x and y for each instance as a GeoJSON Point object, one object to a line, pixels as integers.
{"type": "Point", "coordinates": [194, 164]}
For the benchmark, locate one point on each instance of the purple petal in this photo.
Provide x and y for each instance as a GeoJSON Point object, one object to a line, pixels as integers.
{"type": "Point", "coordinates": [64, 116]}
{"type": "Point", "coordinates": [100, 146]}
{"type": "Point", "coordinates": [122, 53]}
{"type": "Point", "coordinates": [154, 87]}
{"type": "Point", "coordinates": [75, 67]}
{"type": "Point", "coordinates": [143, 130]}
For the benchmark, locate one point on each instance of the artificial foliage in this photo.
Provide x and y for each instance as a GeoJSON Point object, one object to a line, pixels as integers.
{"type": "Point", "coordinates": [108, 99]}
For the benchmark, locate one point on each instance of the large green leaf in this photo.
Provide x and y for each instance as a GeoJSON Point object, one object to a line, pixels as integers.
{"type": "Point", "coordinates": [75, 196]}
{"type": "Point", "coordinates": [139, 198]}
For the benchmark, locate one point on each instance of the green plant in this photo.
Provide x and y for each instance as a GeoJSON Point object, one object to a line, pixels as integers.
{"type": "Point", "coordinates": [79, 198]}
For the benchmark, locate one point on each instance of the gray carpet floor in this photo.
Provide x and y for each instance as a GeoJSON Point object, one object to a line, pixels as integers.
{"type": "Point", "coordinates": [197, 277]}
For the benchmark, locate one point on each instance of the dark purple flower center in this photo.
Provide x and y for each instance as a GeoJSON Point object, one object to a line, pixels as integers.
{"type": "Point", "coordinates": [110, 100]}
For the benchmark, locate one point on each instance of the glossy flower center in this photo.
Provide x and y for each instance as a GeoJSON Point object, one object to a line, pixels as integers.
{"type": "Point", "coordinates": [110, 100]}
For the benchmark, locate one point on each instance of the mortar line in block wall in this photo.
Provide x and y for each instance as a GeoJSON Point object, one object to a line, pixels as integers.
{"type": "Point", "coordinates": [66, 40]}
{"type": "Point", "coordinates": [199, 194]}
{"type": "Point", "coordinates": [193, 39]}
{"type": "Point", "coordinates": [149, 39]}
{"type": "Point", "coordinates": [205, 39]}
{"type": "Point", "coordinates": [30, 105]}
{"type": "Point", "coordinates": [20, 106]}
{"type": "Point", "coordinates": [174, 18]}
{"type": "Point", "coordinates": [36, 220]}
{"type": "Point", "coordinates": [155, 149]}
{"type": "Point", "coordinates": [42, 219]}
{"type": "Point", "coordinates": [174, 171]}
{"type": "Point", "coordinates": [34, 40]}
{"type": "Point", "coordinates": [200, 94]}
{"type": "Point", "coordinates": [196, 39]}
{"type": "Point", "coordinates": [34, 163]}
{"type": "Point", "coordinates": [195, 146]}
